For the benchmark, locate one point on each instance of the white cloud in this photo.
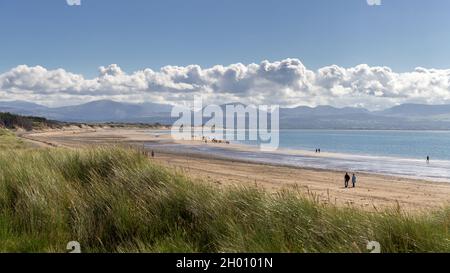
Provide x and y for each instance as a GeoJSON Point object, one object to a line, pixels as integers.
{"type": "Point", "coordinates": [287, 82]}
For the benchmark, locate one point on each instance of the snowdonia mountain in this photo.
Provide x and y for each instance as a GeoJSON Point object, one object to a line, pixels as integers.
{"type": "Point", "coordinates": [402, 117]}
{"type": "Point", "coordinates": [417, 110]}
{"type": "Point", "coordinates": [96, 111]}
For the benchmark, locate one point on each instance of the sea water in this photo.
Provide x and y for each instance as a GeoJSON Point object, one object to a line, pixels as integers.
{"type": "Point", "coordinates": [404, 144]}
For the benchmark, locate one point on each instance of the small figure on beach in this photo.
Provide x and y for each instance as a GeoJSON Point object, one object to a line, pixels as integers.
{"type": "Point", "coordinates": [319, 151]}
{"type": "Point", "coordinates": [346, 179]}
{"type": "Point", "coordinates": [428, 159]}
{"type": "Point", "coordinates": [354, 180]}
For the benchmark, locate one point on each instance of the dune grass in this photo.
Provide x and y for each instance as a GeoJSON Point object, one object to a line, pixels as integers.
{"type": "Point", "coordinates": [9, 141]}
{"type": "Point", "coordinates": [116, 200]}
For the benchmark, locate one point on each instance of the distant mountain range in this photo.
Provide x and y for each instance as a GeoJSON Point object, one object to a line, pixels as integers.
{"type": "Point", "coordinates": [96, 111]}
{"type": "Point", "coordinates": [402, 117]}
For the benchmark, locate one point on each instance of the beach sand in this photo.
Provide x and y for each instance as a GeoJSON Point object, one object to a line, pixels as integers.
{"type": "Point", "coordinates": [373, 191]}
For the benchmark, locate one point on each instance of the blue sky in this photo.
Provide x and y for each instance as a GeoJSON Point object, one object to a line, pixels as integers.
{"type": "Point", "coordinates": [318, 52]}
{"type": "Point", "coordinates": [136, 34]}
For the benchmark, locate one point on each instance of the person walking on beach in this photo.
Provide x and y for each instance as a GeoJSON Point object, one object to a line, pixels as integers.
{"type": "Point", "coordinates": [346, 178]}
{"type": "Point", "coordinates": [354, 180]}
{"type": "Point", "coordinates": [428, 159]}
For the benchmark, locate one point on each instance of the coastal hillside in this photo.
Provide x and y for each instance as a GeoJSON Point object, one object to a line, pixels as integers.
{"type": "Point", "coordinates": [28, 123]}
{"type": "Point", "coordinates": [13, 121]}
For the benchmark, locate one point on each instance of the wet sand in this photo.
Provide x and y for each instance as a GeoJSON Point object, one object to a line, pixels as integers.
{"type": "Point", "coordinates": [373, 191]}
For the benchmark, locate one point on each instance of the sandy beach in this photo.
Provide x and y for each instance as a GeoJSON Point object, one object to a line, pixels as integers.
{"type": "Point", "coordinates": [373, 191]}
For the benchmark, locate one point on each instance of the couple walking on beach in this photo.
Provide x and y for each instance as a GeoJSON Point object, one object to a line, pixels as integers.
{"type": "Point", "coordinates": [347, 179]}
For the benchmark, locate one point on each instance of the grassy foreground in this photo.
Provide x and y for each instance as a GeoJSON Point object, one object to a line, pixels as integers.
{"type": "Point", "coordinates": [117, 200]}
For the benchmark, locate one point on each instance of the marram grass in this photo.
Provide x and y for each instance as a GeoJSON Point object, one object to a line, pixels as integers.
{"type": "Point", "coordinates": [9, 141]}
{"type": "Point", "coordinates": [117, 200]}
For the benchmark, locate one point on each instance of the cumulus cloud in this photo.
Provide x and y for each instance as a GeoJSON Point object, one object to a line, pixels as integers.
{"type": "Point", "coordinates": [287, 83]}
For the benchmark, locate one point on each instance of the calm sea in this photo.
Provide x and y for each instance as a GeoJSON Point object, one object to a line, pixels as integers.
{"type": "Point", "coordinates": [405, 144]}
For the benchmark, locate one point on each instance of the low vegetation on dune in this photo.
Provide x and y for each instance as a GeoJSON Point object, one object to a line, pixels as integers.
{"type": "Point", "coordinates": [28, 123]}
{"type": "Point", "coordinates": [9, 141]}
{"type": "Point", "coordinates": [13, 121]}
{"type": "Point", "coordinates": [115, 199]}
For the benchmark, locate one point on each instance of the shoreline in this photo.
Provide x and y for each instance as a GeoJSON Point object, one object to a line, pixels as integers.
{"type": "Point", "coordinates": [222, 158]}
{"type": "Point", "coordinates": [435, 171]}
{"type": "Point", "coordinates": [163, 142]}
{"type": "Point", "coordinates": [373, 190]}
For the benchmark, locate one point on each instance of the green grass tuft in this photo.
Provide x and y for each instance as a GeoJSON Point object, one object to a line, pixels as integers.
{"type": "Point", "coordinates": [9, 141]}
